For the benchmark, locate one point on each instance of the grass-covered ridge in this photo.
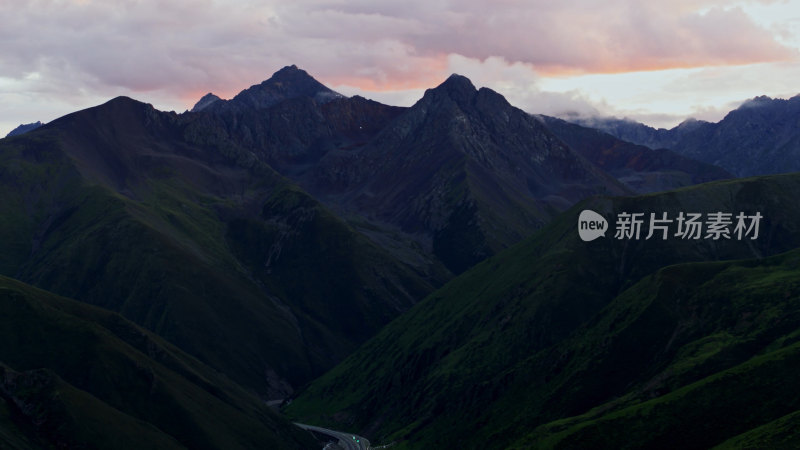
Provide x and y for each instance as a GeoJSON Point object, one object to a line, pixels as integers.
{"type": "Point", "coordinates": [74, 374]}
{"type": "Point", "coordinates": [555, 327]}
{"type": "Point", "coordinates": [163, 219]}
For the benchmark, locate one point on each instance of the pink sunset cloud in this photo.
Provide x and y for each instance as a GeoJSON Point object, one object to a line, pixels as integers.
{"type": "Point", "coordinates": [185, 45]}
{"type": "Point", "coordinates": [60, 50]}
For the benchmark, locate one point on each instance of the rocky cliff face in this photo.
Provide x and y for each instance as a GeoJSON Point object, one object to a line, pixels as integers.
{"type": "Point", "coordinates": [465, 169]}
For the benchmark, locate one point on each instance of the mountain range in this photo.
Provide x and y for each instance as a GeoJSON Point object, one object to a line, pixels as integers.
{"type": "Point", "coordinates": [640, 168]}
{"type": "Point", "coordinates": [166, 274]}
{"type": "Point", "coordinates": [452, 179]}
{"type": "Point", "coordinates": [760, 137]}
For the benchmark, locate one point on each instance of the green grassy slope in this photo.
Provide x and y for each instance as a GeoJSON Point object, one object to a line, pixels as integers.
{"type": "Point", "coordinates": [164, 220]}
{"type": "Point", "coordinates": [513, 343]}
{"type": "Point", "coordinates": [781, 433]}
{"type": "Point", "coordinates": [692, 355]}
{"type": "Point", "coordinates": [74, 374]}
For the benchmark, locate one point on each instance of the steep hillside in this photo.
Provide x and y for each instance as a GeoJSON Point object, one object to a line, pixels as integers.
{"type": "Point", "coordinates": [697, 354]}
{"type": "Point", "coordinates": [465, 169]}
{"type": "Point", "coordinates": [165, 220]}
{"type": "Point", "coordinates": [759, 137]}
{"type": "Point", "coordinates": [73, 376]}
{"type": "Point", "coordinates": [640, 168]}
{"type": "Point", "coordinates": [555, 327]}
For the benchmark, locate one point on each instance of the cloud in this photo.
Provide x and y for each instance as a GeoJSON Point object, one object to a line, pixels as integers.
{"type": "Point", "coordinates": [186, 45]}
{"type": "Point", "coordinates": [558, 36]}
{"type": "Point", "coordinates": [518, 82]}
{"type": "Point", "coordinates": [173, 51]}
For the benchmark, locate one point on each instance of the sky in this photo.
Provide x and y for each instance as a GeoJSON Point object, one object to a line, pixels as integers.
{"type": "Point", "coordinates": [656, 62]}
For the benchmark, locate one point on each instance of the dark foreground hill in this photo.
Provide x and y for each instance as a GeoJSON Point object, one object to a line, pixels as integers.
{"type": "Point", "coordinates": [156, 217]}
{"type": "Point", "coordinates": [76, 376]}
{"type": "Point", "coordinates": [614, 343]}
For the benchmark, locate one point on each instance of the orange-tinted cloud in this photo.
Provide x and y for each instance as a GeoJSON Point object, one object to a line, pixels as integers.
{"type": "Point", "coordinates": [180, 48]}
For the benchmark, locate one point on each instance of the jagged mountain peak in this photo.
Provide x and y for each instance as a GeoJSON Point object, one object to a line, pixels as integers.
{"type": "Point", "coordinates": [457, 95]}
{"type": "Point", "coordinates": [206, 101]}
{"type": "Point", "coordinates": [456, 87]}
{"type": "Point", "coordinates": [24, 128]}
{"type": "Point", "coordinates": [458, 81]}
{"type": "Point", "coordinates": [460, 90]}
{"type": "Point", "coordinates": [756, 101]}
{"type": "Point", "coordinates": [689, 125]}
{"type": "Point", "coordinates": [287, 83]}
{"type": "Point", "coordinates": [290, 72]}
{"type": "Point", "coordinates": [125, 100]}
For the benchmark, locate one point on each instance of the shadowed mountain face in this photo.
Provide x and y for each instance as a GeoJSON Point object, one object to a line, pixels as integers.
{"type": "Point", "coordinates": [638, 133]}
{"type": "Point", "coordinates": [640, 168]}
{"type": "Point", "coordinates": [180, 223]}
{"type": "Point", "coordinates": [73, 375]}
{"type": "Point", "coordinates": [560, 343]}
{"type": "Point", "coordinates": [466, 170]}
{"type": "Point", "coordinates": [760, 137]}
{"type": "Point", "coordinates": [287, 83]}
{"type": "Point", "coordinates": [270, 235]}
{"type": "Point", "coordinates": [462, 172]}
{"type": "Point", "coordinates": [205, 102]}
{"type": "Point", "coordinates": [164, 219]}
{"type": "Point", "coordinates": [451, 180]}
{"type": "Point", "coordinates": [24, 128]}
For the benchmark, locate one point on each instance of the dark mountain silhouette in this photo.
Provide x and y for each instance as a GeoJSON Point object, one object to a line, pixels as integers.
{"type": "Point", "coordinates": [262, 240]}
{"type": "Point", "coordinates": [638, 133]}
{"type": "Point", "coordinates": [24, 128]}
{"type": "Point", "coordinates": [157, 217]}
{"type": "Point", "coordinates": [760, 137]}
{"type": "Point", "coordinates": [287, 83]}
{"type": "Point", "coordinates": [205, 102]}
{"type": "Point", "coordinates": [454, 178]}
{"type": "Point", "coordinates": [73, 376]}
{"type": "Point", "coordinates": [640, 168]}
{"type": "Point", "coordinates": [465, 169]}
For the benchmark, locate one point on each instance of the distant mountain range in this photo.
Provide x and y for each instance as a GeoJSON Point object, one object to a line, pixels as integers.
{"type": "Point", "coordinates": [640, 168]}
{"type": "Point", "coordinates": [157, 267]}
{"type": "Point", "coordinates": [760, 137]}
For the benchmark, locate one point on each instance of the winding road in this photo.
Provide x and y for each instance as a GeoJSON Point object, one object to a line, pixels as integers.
{"type": "Point", "coordinates": [346, 440]}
